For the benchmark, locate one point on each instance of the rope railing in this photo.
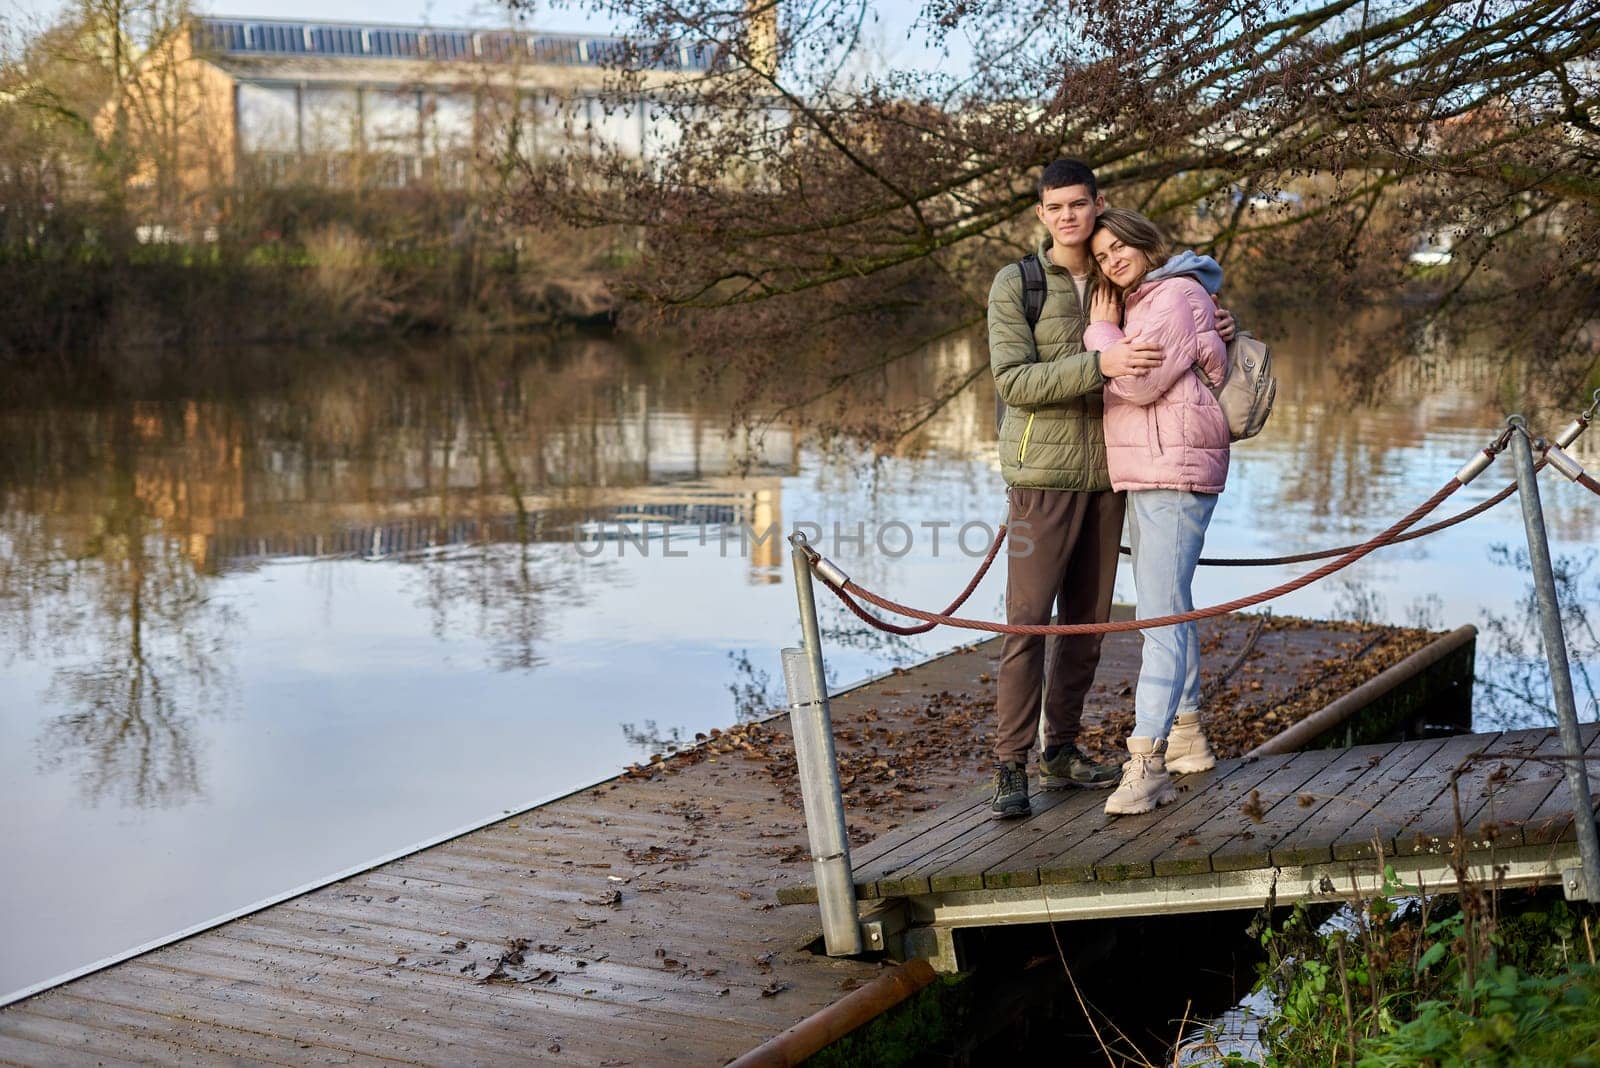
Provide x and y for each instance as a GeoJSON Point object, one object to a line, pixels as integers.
{"type": "Point", "coordinates": [822, 567]}
{"type": "Point", "coordinates": [955, 605]}
{"type": "Point", "coordinates": [852, 594]}
{"type": "Point", "coordinates": [806, 676]}
{"type": "Point", "coordinates": [1567, 437]}
{"type": "Point", "coordinates": [1323, 554]}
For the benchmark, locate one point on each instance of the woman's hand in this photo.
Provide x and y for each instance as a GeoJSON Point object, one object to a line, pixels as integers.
{"type": "Point", "coordinates": [1130, 357]}
{"type": "Point", "coordinates": [1105, 306]}
{"type": "Point", "coordinates": [1226, 327]}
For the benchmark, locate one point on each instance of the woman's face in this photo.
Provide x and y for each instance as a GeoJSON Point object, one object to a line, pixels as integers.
{"type": "Point", "coordinates": [1123, 264]}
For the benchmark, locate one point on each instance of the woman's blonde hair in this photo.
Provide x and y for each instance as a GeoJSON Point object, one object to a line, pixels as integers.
{"type": "Point", "coordinates": [1135, 231]}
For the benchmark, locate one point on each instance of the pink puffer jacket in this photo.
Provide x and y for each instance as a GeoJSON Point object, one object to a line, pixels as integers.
{"type": "Point", "coordinates": [1165, 430]}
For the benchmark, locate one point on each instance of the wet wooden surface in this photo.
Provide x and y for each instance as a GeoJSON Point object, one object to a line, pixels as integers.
{"type": "Point", "coordinates": [1500, 790]}
{"type": "Point", "coordinates": [637, 922]}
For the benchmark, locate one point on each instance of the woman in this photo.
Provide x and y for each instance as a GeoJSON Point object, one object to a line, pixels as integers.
{"type": "Point", "coordinates": [1167, 445]}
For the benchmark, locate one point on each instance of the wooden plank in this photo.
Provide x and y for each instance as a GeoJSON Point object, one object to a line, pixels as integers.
{"type": "Point", "coordinates": [1339, 819]}
{"type": "Point", "coordinates": [679, 862]}
{"type": "Point", "coordinates": [624, 955]}
{"type": "Point", "coordinates": [514, 917]}
{"type": "Point", "coordinates": [713, 890]}
{"type": "Point", "coordinates": [1251, 842]}
{"type": "Point", "coordinates": [1552, 820]}
{"type": "Point", "coordinates": [1541, 774]}
{"type": "Point", "coordinates": [294, 1030]}
{"type": "Point", "coordinates": [1128, 847]}
{"type": "Point", "coordinates": [912, 878]}
{"type": "Point", "coordinates": [1434, 831]}
{"type": "Point", "coordinates": [882, 845]}
{"type": "Point", "coordinates": [1008, 860]}
{"type": "Point", "coordinates": [740, 957]}
{"type": "Point", "coordinates": [624, 975]}
{"type": "Point", "coordinates": [880, 875]}
{"type": "Point", "coordinates": [937, 864]}
{"type": "Point", "coordinates": [93, 1033]}
{"type": "Point", "coordinates": [606, 985]}
{"type": "Point", "coordinates": [424, 891]}
{"type": "Point", "coordinates": [472, 1014]}
{"type": "Point", "coordinates": [1191, 853]}
{"type": "Point", "coordinates": [416, 1016]}
{"type": "Point", "coordinates": [1392, 811]}
{"type": "Point", "coordinates": [17, 1051]}
{"type": "Point", "coordinates": [868, 862]}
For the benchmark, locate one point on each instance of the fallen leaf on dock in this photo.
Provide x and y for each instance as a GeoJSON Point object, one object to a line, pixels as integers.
{"type": "Point", "coordinates": [1253, 808]}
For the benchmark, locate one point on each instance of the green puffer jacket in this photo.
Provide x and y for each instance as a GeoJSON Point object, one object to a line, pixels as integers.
{"type": "Point", "coordinates": [1051, 436]}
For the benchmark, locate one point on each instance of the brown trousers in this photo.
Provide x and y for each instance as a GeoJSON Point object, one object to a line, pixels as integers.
{"type": "Point", "coordinates": [1061, 556]}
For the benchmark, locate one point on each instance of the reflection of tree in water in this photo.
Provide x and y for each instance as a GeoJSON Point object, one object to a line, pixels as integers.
{"type": "Point", "coordinates": [650, 739]}
{"type": "Point", "coordinates": [508, 591]}
{"type": "Point", "coordinates": [753, 695]}
{"type": "Point", "coordinates": [1515, 684]}
{"type": "Point", "coordinates": [154, 639]}
{"type": "Point", "coordinates": [510, 586]}
{"type": "Point", "coordinates": [1358, 602]}
{"type": "Point", "coordinates": [852, 633]}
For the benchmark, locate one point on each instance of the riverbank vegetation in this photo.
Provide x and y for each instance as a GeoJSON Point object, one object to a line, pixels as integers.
{"type": "Point", "coordinates": [129, 225]}
{"type": "Point", "coordinates": [834, 202]}
{"type": "Point", "coordinates": [814, 196]}
{"type": "Point", "coordinates": [1474, 978]}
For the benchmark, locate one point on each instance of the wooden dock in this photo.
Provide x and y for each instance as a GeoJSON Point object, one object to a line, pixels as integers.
{"type": "Point", "coordinates": [1313, 825]}
{"type": "Point", "coordinates": [637, 922]}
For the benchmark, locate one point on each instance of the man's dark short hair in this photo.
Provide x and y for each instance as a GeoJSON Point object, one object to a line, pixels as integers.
{"type": "Point", "coordinates": [1065, 172]}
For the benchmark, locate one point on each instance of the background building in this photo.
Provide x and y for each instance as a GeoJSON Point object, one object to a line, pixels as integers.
{"type": "Point", "coordinates": [273, 101]}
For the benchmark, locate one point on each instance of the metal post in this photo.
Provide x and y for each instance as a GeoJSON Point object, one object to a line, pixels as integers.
{"type": "Point", "coordinates": [819, 771]}
{"type": "Point", "coordinates": [1555, 646]}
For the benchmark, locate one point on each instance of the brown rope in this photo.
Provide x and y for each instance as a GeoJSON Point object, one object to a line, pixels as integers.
{"type": "Point", "coordinates": [1324, 554]}
{"type": "Point", "coordinates": [1235, 605]}
{"type": "Point", "coordinates": [1588, 482]}
{"type": "Point", "coordinates": [896, 628]}
{"type": "Point", "coordinates": [1507, 490]}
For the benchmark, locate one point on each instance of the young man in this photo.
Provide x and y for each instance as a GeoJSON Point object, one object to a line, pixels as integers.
{"type": "Point", "coordinates": [1066, 522]}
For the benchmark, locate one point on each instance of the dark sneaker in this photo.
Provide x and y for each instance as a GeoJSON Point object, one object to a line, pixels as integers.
{"type": "Point", "coordinates": [1010, 791]}
{"type": "Point", "coordinates": [1067, 765]}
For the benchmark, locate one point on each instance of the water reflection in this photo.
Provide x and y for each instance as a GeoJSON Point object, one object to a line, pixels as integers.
{"type": "Point", "coordinates": [262, 605]}
{"type": "Point", "coordinates": [92, 579]}
{"type": "Point", "coordinates": [478, 468]}
{"type": "Point", "coordinates": [117, 520]}
{"type": "Point", "coordinates": [1520, 692]}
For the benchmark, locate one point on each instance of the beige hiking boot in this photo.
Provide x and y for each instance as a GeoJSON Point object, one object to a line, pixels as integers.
{"type": "Point", "coordinates": [1187, 748]}
{"type": "Point", "coordinates": [1145, 782]}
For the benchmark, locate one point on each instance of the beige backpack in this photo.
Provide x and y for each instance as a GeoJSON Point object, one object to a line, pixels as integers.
{"type": "Point", "coordinates": [1248, 386]}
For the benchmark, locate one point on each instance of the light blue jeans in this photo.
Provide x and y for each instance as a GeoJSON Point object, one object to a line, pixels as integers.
{"type": "Point", "coordinates": [1167, 529]}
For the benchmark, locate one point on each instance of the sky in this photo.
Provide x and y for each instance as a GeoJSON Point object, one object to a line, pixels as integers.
{"type": "Point", "coordinates": [894, 19]}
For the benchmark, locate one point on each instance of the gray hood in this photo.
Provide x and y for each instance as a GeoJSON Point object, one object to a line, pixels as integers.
{"type": "Point", "coordinates": [1203, 269]}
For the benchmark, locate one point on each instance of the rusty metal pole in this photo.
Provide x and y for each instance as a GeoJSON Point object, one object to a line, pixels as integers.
{"type": "Point", "coordinates": [832, 1022]}
{"type": "Point", "coordinates": [1555, 648]}
{"type": "Point", "coordinates": [819, 770]}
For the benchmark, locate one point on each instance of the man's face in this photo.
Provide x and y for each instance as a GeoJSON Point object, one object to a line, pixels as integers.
{"type": "Point", "coordinates": [1069, 213]}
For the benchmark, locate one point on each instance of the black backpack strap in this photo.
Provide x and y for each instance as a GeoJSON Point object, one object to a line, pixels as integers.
{"type": "Point", "coordinates": [1034, 288]}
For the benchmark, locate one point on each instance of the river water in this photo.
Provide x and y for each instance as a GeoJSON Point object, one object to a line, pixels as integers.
{"type": "Point", "coordinates": [321, 606]}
